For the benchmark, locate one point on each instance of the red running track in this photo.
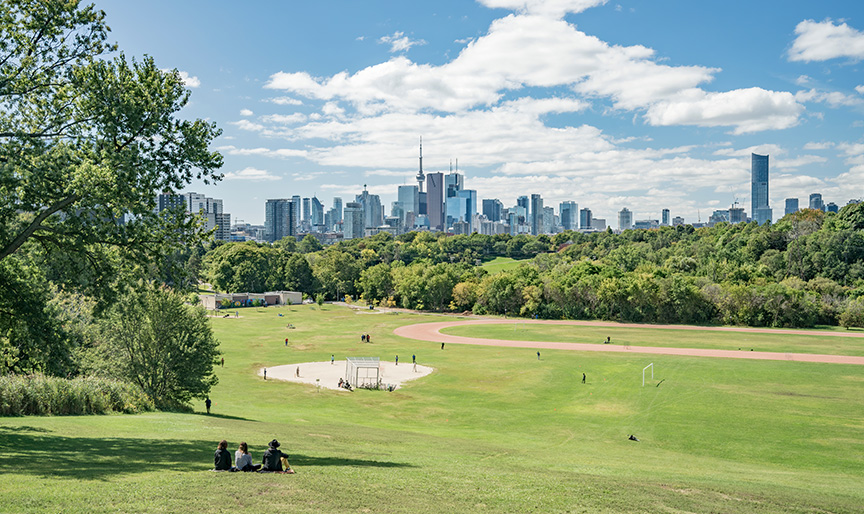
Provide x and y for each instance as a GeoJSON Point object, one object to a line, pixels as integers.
{"type": "Point", "coordinates": [432, 332]}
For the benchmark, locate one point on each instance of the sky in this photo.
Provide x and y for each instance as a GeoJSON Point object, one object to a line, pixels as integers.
{"type": "Point", "coordinates": [633, 103]}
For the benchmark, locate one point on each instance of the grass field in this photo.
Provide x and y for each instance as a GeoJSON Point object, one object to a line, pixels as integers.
{"type": "Point", "coordinates": [502, 264]}
{"type": "Point", "coordinates": [778, 341]}
{"type": "Point", "coordinates": [492, 430]}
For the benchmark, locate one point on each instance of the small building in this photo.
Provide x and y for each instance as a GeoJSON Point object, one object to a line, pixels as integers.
{"type": "Point", "coordinates": [216, 301]}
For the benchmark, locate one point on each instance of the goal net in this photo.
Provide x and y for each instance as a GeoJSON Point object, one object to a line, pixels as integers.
{"type": "Point", "coordinates": [644, 370]}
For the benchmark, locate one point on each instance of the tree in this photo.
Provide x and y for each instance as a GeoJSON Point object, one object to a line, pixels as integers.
{"type": "Point", "coordinates": [155, 340]}
{"type": "Point", "coordinates": [86, 141]}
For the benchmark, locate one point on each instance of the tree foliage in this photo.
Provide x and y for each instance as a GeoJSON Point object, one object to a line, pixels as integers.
{"type": "Point", "coordinates": [155, 340]}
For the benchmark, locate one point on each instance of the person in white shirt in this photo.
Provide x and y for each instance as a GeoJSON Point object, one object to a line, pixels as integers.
{"type": "Point", "coordinates": [242, 459]}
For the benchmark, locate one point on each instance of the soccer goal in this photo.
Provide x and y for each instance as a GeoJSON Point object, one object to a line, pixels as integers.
{"type": "Point", "coordinates": [361, 371]}
{"type": "Point", "coordinates": [646, 369]}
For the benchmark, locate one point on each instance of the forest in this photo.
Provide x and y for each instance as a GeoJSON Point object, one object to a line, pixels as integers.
{"type": "Point", "coordinates": [805, 270]}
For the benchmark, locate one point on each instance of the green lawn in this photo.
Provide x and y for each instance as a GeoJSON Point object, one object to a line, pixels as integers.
{"type": "Point", "coordinates": [515, 434]}
{"type": "Point", "coordinates": [779, 341]}
{"type": "Point", "coordinates": [502, 264]}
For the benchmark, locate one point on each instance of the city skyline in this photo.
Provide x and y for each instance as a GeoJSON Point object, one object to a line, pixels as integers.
{"type": "Point", "coordinates": [587, 101]}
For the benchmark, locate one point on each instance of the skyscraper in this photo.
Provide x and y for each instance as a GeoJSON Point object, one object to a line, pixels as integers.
{"type": "Point", "coordinates": [625, 219]}
{"type": "Point", "coordinates": [759, 188]}
{"type": "Point", "coordinates": [791, 206]}
{"type": "Point", "coordinates": [317, 214]}
{"type": "Point", "coordinates": [354, 224]}
{"type": "Point", "coordinates": [435, 200]}
{"type": "Point", "coordinates": [278, 219]}
{"type": "Point", "coordinates": [536, 215]}
{"type": "Point", "coordinates": [409, 201]}
{"type": "Point", "coordinates": [585, 218]}
{"type": "Point", "coordinates": [492, 209]}
{"type": "Point", "coordinates": [569, 213]}
{"type": "Point", "coordinates": [664, 217]}
{"type": "Point", "coordinates": [816, 202]}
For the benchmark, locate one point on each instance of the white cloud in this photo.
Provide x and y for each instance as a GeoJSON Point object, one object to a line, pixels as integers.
{"type": "Point", "coordinates": [818, 146]}
{"type": "Point", "coordinates": [821, 41]}
{"type": "Point", "coordinates": [399, 42]}
{"type": "Point", "coordinates": [246, 112]}
{"type": "Point", "coordinates": [764, 149]}
{"type": "Point", "coordinates": [531, 51]}
{"type": "Point", "coordinates": [247, 125]}
{"type": "Point", "coordinates": [832, 98]}
{"type": "Point", "coordinates": [798, 162]}
{"type": "Point", "coordinates": [252, 174]}
{"type": "Point", "coordinates": [283, 153]}
{"type": "Point", "coordinates": [860, 89]}
{"type": "Point", "coordinates": [748, 110]}
{"type": "Point", "coordinates": [803, 80]}
{"type": "Point", "coordinates": [189, 80]}
{"type": "Point", "coordinates": [555, 8]}
{"type": "Point", "coordinates": [285, 100]}
{"type": "Point", "coordinates": [286, 119]}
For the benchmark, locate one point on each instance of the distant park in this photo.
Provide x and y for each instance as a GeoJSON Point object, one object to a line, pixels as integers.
{"type": "Point", "coordinates": [490, 429]}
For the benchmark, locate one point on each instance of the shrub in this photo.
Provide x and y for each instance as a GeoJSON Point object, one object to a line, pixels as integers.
{"type": "Point", "coordinates": [23, 395]}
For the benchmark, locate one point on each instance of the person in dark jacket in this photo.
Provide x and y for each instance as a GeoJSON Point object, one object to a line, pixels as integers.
{"type": "Point", "coordinates": [222, 458]}
{"type": "Point", "coordinates": [272, 459]}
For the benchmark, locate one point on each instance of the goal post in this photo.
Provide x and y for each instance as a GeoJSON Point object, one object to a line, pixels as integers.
{"type": "Point", "coordinates": [645, 369]}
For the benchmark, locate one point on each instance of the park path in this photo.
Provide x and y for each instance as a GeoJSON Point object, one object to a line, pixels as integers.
{"type": "Point", "coordinates": [432, 332]}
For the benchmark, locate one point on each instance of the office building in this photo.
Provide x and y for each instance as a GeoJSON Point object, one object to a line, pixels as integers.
{"type": "Point", "coordinates": [568, 213]}
{"type": "Point", "coordinates": [677, 220]}
{"type": "Point", "coordinates": [408, 202]}
{"type": "Point", "coordinates": [435, 200]}
{"type": "Point", "coordinates": [625, 219]}
{"type": "Point", "coordinates": [354, 223]}
{"type": "Point", "coordinates": [759, 189]}
{"type": "Point", "coordinates": [278, 219]}
{"type": "Point", "coordinates": [816, 202]}
{"type": "Point", "coordinates": [295, 206]}
{"type": "Point", "coordinates": [832, 207]}
{"type": "Point", "coordinates": [210, 211]}
{"type": "Point", "coordinates": [536, 215]}
{"type": "Point", "coordinates": [585, 219]}
{"type": "Point", "coordinates": [664, 217]}
{"type": "Point", "coordinates": [493, 209]}
{"type": "Point", "coordinates": [791, 206]}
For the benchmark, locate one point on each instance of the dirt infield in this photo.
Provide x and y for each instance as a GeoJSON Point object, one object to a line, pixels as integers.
{"type": "Point", "coordinates": [432, 332]}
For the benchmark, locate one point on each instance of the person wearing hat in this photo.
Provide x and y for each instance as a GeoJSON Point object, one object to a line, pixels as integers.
{"type": "Point", "coordinates": [272, 462]}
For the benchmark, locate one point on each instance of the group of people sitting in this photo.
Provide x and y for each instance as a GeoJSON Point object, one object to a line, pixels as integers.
{"type": "Point", "coordinates": [273, 461]}
{"type": "Point", "coordinates": [344, 384]}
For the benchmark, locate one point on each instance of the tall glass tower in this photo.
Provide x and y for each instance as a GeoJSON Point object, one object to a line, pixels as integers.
{"type": "Point", "coordinates": [760, 211]}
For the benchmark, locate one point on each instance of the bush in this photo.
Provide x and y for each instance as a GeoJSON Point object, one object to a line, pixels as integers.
{"type": "Point", "coordinates": [25, 395]}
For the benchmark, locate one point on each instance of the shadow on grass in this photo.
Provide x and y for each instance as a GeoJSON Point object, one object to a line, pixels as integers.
{"type": "Point", "coordinates": [90, 458]}
{"type": "Point", "coordinates": [223, 416]}
{"type": "Point", "coordinates": [298, 459]}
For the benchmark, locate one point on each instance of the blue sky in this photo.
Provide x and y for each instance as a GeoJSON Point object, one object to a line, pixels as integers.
{"type": "Point", "coordinates": [639, 104]}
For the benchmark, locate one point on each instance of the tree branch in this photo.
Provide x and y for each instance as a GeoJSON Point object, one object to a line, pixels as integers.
{"type": "Point", "coordinates": [35, 225]}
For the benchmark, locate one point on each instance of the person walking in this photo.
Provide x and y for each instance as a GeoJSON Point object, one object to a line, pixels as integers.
{"type": "Point", "coordinates": [413, 359]}
{"type": "Point", "coordinates": [397, 360]}
{"type": "Point", "coordinates": [332, 359]}
{"type": "Point", "coordinates": [265, 373]}
{"type": "Point", "coordinates": [286, 341]}
{"type": "Point", "coordinates": [583, 378]}
{"type": "Point", "coordinates": [223, 362]}
{"type": "Point", "coordinates": [538, 356]}
{"type": "Point", "coordinates": [442, 346]}
{"type": "Point", "coordinates": [207, 404]}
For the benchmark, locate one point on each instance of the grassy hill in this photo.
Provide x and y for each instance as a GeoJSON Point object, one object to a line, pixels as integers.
{"type": "Point", "coordinates": [492, 430]}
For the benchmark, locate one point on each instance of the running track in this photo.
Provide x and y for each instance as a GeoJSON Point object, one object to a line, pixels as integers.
{"type": "Point", "coordinates": [432, 332]}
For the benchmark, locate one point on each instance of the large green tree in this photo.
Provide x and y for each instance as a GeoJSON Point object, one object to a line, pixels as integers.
{"type": "Point", "coordinates": [155, 340]}
{"type": "Point", "coordinates": [87, 140]}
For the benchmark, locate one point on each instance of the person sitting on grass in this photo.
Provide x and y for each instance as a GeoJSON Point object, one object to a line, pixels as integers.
{"type": "Point", "coordinates": [272, 462]}
{"type": "Point", "coordinates": [222, 458]}
{"type": "Point", "coordinates": [242, 459]}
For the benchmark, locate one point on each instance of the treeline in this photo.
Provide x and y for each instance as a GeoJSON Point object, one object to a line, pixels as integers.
{"type": "Point", "coordinates": [807, 269]}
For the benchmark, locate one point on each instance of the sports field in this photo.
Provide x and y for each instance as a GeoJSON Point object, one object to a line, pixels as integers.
{"type": "Point", "coordinates": [492, 429]}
